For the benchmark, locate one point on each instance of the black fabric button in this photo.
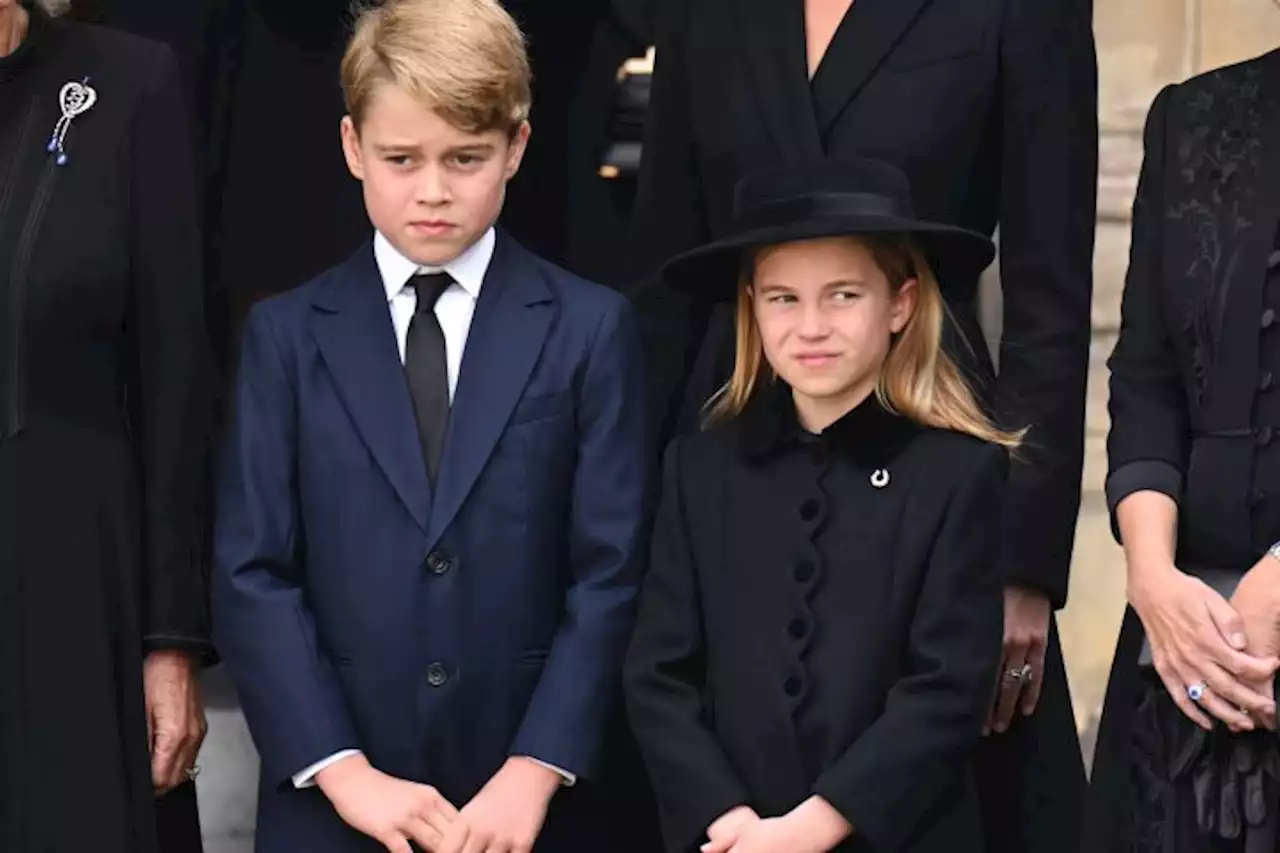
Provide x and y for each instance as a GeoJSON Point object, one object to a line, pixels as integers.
{"type": "Point", "coordinates": [439, 562]}
{"type": "Point", "coordinates": [1273, 260]}
{"type": "Point", "coordinates": [1257, 496]}
{"type": "Point", "coordinates": [436, 675]}
{"type": "Point", "coordinates": [797, 629]}
{"type": "Point", "coordinates": [792, 686]}
{"type": "Point", "coordinates": [1268, 318]}
{"type": "Point", "coordinates": [1266, 381]}
{"type": "Point", "coordinates": [809, 510]}
{"type": "Point", "coordinates": [803, 571]}
{"type": "Point", "coordinates": [1262, 436]}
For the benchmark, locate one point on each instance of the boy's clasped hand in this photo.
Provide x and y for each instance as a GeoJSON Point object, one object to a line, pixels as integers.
{"type": "Point", "coordinates": [504, 817]}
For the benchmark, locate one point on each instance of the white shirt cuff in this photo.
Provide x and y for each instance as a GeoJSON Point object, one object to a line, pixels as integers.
{"type": "Point", "coordinates": [569, 779]}
{"type": "Point", "coordinates": [306, 778]}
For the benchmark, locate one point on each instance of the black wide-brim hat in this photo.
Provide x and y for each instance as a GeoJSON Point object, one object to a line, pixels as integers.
{"type": "Point", "coordinates": [846, 197]}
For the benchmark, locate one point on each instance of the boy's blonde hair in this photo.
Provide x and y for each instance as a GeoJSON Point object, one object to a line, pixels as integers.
{"type": "Point", "coordinates": [465, 59]}
{"type": "Point", "coordinates": [918, 380]}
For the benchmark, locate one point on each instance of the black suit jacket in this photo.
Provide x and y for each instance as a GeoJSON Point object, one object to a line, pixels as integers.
{"type": "Point", "coordinates": [990, 106]}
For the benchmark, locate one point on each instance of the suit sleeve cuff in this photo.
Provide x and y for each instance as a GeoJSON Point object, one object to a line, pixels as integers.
{"type": "Point", "coordinates": [569, 779]}
{"type": "Point", "coordinates": [307, 778]}
{"type": "Point", "coordinates": [1144, 475]}
{"type": "Point", "coordinates": [199, 648]}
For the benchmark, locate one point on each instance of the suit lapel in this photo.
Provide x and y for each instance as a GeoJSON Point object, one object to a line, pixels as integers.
{"type": "Point", "coordinates": [507, 332]}
{"type": "Point", "coordinates": [773, 36]}
{"type": "Point", "coordinates": [352, 326]}
{"type": "Point", "coordinates": [865, 37]}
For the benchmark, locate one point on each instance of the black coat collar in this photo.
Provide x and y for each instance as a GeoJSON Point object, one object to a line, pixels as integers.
{"type": "Point", "coordinates": [869, 434]}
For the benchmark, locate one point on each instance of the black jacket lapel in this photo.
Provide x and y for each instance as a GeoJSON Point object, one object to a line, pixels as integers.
{"type": "Point", "coordinates": [774, 40]}
{"type": "Point", "coordinates": [864, 39]}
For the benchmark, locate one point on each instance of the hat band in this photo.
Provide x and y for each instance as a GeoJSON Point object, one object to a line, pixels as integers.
{"type": "Point", "coordinates": [789, 211]}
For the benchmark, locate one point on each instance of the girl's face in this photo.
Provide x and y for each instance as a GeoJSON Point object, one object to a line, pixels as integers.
{"type": "Point", "coordinates": [826, 314]}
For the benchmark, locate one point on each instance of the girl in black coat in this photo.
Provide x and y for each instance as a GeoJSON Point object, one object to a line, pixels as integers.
{"type": "Point", "coordinates": [817, 635]}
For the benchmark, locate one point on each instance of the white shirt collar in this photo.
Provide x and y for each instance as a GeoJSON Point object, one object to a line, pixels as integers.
{"type": "Point", "coordinates": [467, 269]}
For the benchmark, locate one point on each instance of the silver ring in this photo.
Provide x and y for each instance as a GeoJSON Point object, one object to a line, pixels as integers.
{"type": "Point", "coordinates": [1195, 692]}
{"type": "Point", "coordinates": [193, 772]}
{"type": "Point", "coordinates": [1019, 674]}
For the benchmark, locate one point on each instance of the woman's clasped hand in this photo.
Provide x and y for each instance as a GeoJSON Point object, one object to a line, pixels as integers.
{"type": "Point", "coordinates": [1216, 658]}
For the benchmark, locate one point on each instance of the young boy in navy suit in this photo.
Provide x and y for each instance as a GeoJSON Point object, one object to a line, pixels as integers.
{"type": "Point", "coordinates": [433, 497]}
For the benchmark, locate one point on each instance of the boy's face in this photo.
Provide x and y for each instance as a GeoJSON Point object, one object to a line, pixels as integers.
{"type": "Point", "coordinates": [430, 188]}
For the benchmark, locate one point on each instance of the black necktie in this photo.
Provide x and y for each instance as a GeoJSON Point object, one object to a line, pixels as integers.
{"type": "Point", "coordinates": [424, 362]}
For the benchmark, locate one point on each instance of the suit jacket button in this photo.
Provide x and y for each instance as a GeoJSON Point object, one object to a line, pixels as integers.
{"type": "Point", "coordinates": [1268, 317]}
{"type": "Point", "coordinates": [803, 571]}
{"type": "Point", "coordinates": [438, 563]}
{"type": "Point", "coordinates": [436, 675]}
{"type": "Point", "coordinates": [797, 628]}
{"type": "Point", "coordinates": [1262, 436]}
{"type": "Point", "coordinates": [1265, 381]}
{"type": "Point", "coordinates": [792, 686]}
{"type": "Point", "coordinates": [809, 509]}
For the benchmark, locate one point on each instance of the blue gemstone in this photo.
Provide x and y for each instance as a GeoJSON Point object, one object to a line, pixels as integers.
{"type": "Point", "coordinates": [62, 159]}
{"type": "Point", "coordinates": [53, 144]}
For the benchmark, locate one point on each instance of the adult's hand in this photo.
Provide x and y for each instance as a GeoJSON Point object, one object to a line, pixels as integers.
{"type": "Point", "coordinates": [1026, 639]}
{"type": "Point", "coordinates": [1197, 638]}
{"type": "Point", "coordinates": [175, 716]}
{"type": "Point", "coordinates": [1257, 601]}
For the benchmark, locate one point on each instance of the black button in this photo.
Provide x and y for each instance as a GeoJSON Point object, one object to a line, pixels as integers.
{"type": "Point", "coordinates": [1266, 380]}
{"type": "Point", "coordinates": [436, 675]}
{"type": "Point", "coordinates": [439, 562]}
{"type": "Point", "coordinates": [803, 571]}
{"type": "Point", "coordinates": [792, 686]}
{"type": "Point", "coordinates": [797, 629]}
{"type": "Point", "coordinates": [1262, 436]}
{"type": "Point", "coordinates": [809, 510]}
{"type": "Point", "coordinates": [1256, 497]}
{"type": "Point", "coordinates": [1268, 317]}
{"type": "Point", "coordinates": [1273, 260]}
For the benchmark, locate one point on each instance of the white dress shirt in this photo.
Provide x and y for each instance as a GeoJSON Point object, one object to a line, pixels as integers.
{"type": "Point", "coordinates": [454, 309]}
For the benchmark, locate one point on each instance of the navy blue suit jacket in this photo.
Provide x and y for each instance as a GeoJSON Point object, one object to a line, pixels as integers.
{"type": "Point", "coordinates": [439, 632]}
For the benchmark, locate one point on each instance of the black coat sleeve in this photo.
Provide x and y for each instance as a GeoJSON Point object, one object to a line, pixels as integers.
{"type": "Point", "coordinates": [1147, 446]}
{"type": "Point", "coordinates": [171, 385]}
{"type": "Point", "coordinates": [914, 754]}
{"type": "Point", "coordinates": [665, 677]}
{"type": "Point", "coordinates": [1048, 214]}
{"type": "Point", "coordinates": [669, 216]}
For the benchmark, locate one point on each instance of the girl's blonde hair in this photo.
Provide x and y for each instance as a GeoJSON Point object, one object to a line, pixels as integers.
{"type": "Point", "coordinates": [918, 380]}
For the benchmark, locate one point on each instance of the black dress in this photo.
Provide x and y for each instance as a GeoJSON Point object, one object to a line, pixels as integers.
{"type": "Point", "coordinates": [821, 615]}
{"type": "Point", "coordinates": [1195, 414]}
{"type": "Point", "coordinates": [103, 418]}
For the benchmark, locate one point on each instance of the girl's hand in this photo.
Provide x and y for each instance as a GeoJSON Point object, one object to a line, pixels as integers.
{"type": "Point", "coordinates": [1197, 638]}
{"type": "Point", "coordinates": [726, 830]}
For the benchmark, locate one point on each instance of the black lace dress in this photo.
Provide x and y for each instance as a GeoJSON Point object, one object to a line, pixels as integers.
{"type": "Point", "coordinates": [1195, 412]}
